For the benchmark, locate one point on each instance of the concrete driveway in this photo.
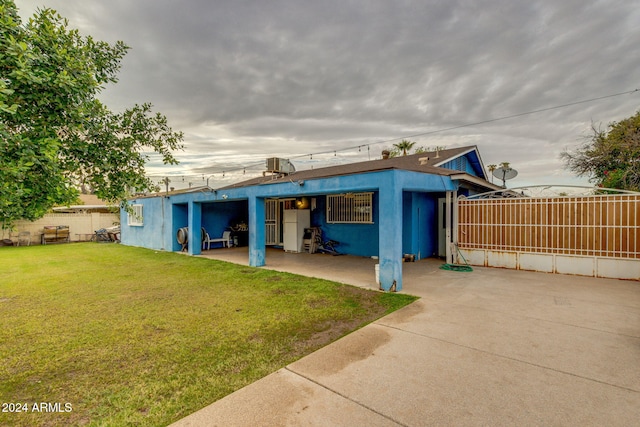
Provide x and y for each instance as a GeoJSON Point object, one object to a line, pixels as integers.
{"type": "Point", "coordinates": [490, 347]}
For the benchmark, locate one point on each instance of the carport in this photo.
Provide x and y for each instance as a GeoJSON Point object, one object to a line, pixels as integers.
{"type": "Point", "coordinates": [353, 270]}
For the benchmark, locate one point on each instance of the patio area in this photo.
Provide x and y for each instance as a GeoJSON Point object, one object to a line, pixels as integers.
{"type": "Point", "coordinates": [353, 270]}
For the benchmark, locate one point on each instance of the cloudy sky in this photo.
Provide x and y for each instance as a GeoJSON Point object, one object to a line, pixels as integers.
{"type": "Point", "coordinates": [246, 80]}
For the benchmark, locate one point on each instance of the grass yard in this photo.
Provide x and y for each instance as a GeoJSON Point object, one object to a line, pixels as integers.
{"type": "Point", "coordinates": [104, 334]}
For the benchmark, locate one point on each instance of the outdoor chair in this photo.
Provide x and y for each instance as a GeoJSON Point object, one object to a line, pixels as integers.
{"type": "Point", "coordinates": [102, 236]}
{"type": "Point", "coordinates": [55, 234]}
{"type": "Point", "coordinates": [24, 238]}
{"type": "Point", "coordinates": [225, 239]}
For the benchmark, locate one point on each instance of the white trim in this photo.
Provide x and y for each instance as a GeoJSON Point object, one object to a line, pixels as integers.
{"type": "Point", "coordinates": [448, 159]}
{"type": "Point", "coordinates": [475, 180]}
{"type": "Point", "coordinates": [136, 217]}
{"type": "Point", "coordinates": [474, 148]}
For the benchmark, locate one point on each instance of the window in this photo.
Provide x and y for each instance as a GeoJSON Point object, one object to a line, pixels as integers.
{"type": "Point", "coordinates": [350, 208]}
{"type": "Point", "coordinates": [135, 216]}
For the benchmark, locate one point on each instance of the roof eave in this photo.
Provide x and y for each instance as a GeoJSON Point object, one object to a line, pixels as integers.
{"type": "Point", "coordinates": [475, 180]}
{"type": "Point", "coordinates": [471, 149]}
{"type": "Point", "coordinates": [448, 159]}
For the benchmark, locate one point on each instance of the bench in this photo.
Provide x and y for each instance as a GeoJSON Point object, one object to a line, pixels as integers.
{"type": "Point", "coordinates": [55, 234]}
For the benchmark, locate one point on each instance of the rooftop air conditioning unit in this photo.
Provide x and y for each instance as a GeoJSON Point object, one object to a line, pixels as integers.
{"type": "Point", "coordinates": [278, 165]}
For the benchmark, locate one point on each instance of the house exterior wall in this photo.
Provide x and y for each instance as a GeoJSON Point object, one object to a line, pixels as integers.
{"type": "Point", "coordinates": [164, 215]}
{"type": "Point", "coordinates": [460, 164]}
{"type": "Point", "coordinates": [469, 163]}
{"type": "Point", "coordinates": [217, 217]}
{"type": "Point", "coordinates": [420, 216]}
{"type": "Point", "coordinates": [179, 219]}
{"type": "Point", "coordinates": [151, 234]}
{"type": "Point", "coordinates": [354, 239]}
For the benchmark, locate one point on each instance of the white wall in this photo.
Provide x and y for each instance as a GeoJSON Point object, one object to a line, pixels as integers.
{"type": "Point", "coordinates": [79, 224]}
{"type": "Point", "coordinates": [614, 268]}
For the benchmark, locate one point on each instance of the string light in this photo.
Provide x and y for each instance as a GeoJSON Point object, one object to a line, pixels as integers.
{"type": "Point", "coordinates": [433, 131]}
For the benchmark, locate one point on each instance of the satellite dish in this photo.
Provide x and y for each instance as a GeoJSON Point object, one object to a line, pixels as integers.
{"type": "Point", "coordinates": [504, 174]}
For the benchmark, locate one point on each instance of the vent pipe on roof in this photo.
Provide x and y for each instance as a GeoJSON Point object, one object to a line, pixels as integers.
{"type": "Point", "coordinates": [386, 154]}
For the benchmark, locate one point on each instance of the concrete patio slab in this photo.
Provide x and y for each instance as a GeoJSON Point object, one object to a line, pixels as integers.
{"type": "Point", "coordinates": [285, 398]}
{"type": "Point", "coordinates": [337, 268]}
{"type": "Point", "coordinates": [546, 343]}
{"type": "Point", "coordinates": [490, 347]}
{"type": "Point", "coordinates": [417, 380]}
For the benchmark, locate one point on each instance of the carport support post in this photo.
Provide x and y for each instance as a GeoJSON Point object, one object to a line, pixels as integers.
{"type": "Point", "coordinates": [195, 223]}
{"type": "Point", "coordinates": [257, 236]}
{"type": "Point", "coordinates": [390, 232]}
{"type": "Point", "coordinates": [447, 222]}
{"type": "Point", "coordinates": [454, 229]}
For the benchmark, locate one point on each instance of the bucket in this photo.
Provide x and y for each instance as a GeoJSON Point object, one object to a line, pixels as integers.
{"type": "Point", "coordinates": [377, 266]}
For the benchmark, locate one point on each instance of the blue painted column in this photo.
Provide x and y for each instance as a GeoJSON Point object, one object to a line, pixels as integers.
{"type": "Point", "coordinates": [390, 231]}
{"type": "Point", "coordinates": [167, 225]}
{"type": "Point", "coordinates": [257, 242]}
{"type": "Point", "coordinates": [195, 224]}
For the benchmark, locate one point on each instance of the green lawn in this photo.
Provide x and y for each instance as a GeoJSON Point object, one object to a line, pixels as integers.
{"type": "Point", "coordinates": [130, 336]}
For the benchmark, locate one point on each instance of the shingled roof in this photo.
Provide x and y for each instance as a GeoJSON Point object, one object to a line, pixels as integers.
{"type": "Point", "coordinates": [423, 162]}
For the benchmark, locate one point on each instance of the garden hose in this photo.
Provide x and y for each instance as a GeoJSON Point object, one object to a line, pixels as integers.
{"type": "Point", "coordinates": [457, 267]}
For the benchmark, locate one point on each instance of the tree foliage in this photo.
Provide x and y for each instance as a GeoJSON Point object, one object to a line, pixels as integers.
{"type": "Point", "coordinates": [403, 147]}
{"type": "Point", "coordinates": [55, 135]}
{"type": "Point", "coordinates": [610, 158]}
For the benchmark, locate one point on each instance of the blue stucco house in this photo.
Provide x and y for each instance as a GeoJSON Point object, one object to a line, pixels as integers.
{"type": "Point", "coordinates": [385, 208]}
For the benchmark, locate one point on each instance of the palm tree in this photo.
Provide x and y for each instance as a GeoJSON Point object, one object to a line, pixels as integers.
{"type": "Point", "coordinates": [491, 169]}
{"type": "Point", "coordinates": [404, 145]}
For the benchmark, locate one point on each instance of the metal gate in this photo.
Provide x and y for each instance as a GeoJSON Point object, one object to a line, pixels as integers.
{"type": "Point", "coordinates": [272, 222]}
{"type": "Point", "coordinates": [596, 235]}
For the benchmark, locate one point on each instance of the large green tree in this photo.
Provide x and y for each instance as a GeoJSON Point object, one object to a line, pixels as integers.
{"type": "Point", "coordinates": [610, 158]}
{"type": "Point", "coordinates": [55, 135]}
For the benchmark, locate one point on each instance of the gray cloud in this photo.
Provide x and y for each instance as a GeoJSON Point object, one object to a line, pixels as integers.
{"type": "Point", "coordinates": [249, 79]}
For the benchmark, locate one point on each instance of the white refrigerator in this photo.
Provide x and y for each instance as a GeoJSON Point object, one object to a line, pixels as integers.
{"type": "Point", "coordinates": [295, 221]}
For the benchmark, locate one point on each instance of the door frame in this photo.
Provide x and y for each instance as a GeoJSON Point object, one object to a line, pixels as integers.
{"type": "Point", "coordinates": [273, 219]}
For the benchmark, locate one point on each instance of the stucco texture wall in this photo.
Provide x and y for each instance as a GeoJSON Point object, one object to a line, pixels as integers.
{"type": "Point", "coordinates": [80, 225]}
{"type": "Point", "coordinates": [354, 239]}
{"type": "Point", "coordinates": [150, 233]}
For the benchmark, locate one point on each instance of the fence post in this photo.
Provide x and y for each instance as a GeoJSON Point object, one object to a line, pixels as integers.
{"type": "Point", "coordinates": [447, 225]}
